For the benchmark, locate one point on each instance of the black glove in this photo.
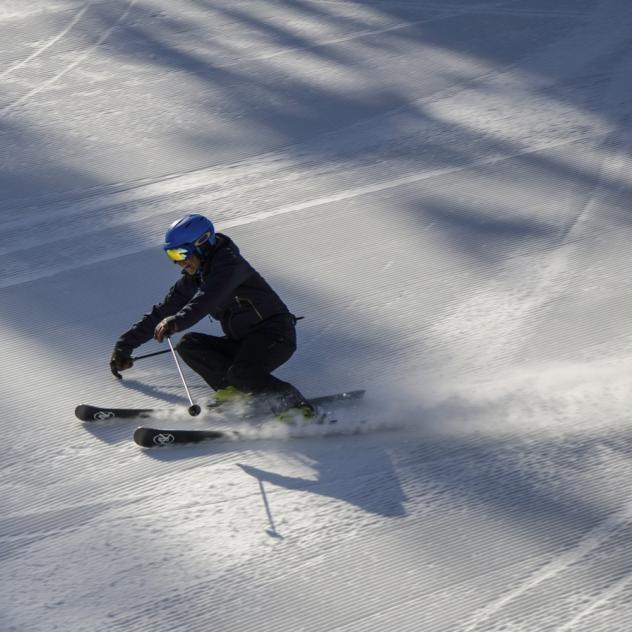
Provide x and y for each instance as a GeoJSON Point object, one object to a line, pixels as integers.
{"type": "Point", "coordinates": [120, 360]}
{"type": "Point", "coordinates": [165, 328]}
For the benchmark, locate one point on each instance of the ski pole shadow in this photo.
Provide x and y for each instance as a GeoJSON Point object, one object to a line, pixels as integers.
{"type": "Point", "coordinates": [272, 530]}
{"type": "Point", "coordinates": [151, 391]}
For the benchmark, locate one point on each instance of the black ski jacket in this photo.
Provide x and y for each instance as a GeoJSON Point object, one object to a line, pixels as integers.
{"type": "Point", "coordinates": [226, 287]}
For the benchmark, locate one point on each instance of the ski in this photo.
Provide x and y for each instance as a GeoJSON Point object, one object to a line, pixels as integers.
{"type": "Point", "coordinates": [158, 438]}
{"type": "Point", "coordinates": [88, 412]}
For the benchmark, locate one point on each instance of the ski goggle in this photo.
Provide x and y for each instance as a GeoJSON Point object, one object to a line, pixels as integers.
{"type": "Point", "coordinates": [181, 253]}
{"type": "Point", "coordinates": [184, 251]}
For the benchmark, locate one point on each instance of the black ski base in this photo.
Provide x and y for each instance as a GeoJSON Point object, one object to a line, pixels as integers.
{"type": "Point", "coordinates": [87, 412]}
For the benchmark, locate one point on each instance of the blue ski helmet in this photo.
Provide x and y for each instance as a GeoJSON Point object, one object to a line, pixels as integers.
{"type": "Point", "coordinates": [188, 235]}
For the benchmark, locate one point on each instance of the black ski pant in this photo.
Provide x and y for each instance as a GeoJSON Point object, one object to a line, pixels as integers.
{"type": "Point", "coordinates": [246, 364]}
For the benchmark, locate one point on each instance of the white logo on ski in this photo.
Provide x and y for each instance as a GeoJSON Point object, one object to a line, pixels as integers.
{"type": "Point", "coordinates": [163, 438]}
{"type": "Point", "coordinates": [103, 414]}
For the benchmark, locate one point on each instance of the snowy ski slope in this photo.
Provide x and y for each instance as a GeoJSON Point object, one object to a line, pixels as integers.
{"type": "Point", "coordinates": [443, 190]}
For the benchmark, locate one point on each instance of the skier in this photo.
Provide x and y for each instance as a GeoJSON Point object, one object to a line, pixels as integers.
{"type": "Point", "coordinates": [259, 330]}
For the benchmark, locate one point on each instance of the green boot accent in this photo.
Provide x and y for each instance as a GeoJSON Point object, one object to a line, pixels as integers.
{"type": "Point", "coordinates": [300, 414]}
{"type": "Point", "coordinates": [231, 394]}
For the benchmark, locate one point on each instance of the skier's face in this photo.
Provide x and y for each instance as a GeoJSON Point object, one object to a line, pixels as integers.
{"type": "Point", "coordinates": [190, 265]}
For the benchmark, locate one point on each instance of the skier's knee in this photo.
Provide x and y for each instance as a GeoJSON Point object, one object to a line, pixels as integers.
{"type": "Point", "coordinates": [186, 344]}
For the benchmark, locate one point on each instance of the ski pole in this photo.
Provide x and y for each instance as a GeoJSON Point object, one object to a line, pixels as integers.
{"type": "Point", "coordinates": [149, 355]}
{"type": "Point", "coordinates": [194, 409]}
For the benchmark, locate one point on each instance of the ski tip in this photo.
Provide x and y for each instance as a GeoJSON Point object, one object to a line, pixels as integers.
{"type": "Point", "coordinates": [151, 438]}
{"type": "Point", "coordinates": [84, 412]}
{"type": "Point", "coordinates": [336, 398]}
{"type": "Point", "coordinates": [87, 412]}
{"type": "Point", "coordinates": [354, 394]}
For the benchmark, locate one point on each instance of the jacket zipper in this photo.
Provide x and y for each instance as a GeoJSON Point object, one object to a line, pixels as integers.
{"type": "Point", "coordinates": [247, 300]}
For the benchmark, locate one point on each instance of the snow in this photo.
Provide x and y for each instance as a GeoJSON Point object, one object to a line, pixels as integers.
{"type": "Point", "coordinates": [442, 189]}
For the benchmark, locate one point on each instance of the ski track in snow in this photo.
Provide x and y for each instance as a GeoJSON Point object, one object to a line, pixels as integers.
{"type": "Point", "coordinates": [613, 591]}
{"type": "Point", "coordinates": [143, 202]}
{"type": "Point", "coordinates": [41, 49]}
{"type": "Point", "coordinates": [7, 110]}
{"type": "Point", "coordinates": [588, 544]}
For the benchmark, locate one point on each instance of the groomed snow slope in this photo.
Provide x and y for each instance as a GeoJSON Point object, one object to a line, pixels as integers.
{"type": "Point", "coordinates": [443, 190]}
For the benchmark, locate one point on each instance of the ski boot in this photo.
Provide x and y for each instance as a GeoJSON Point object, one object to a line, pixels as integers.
{"type": "Point", "coordinates": [291, 410]}
{"type": "Point", "coordinates": [233, 398]}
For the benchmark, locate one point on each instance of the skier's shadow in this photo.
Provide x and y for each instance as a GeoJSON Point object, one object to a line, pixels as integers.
{"type": "Point", "coordinates": [362, 475]}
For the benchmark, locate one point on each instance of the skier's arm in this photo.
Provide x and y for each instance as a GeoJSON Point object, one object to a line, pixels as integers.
{"type": "Point", "coordinates": [143, 330]}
